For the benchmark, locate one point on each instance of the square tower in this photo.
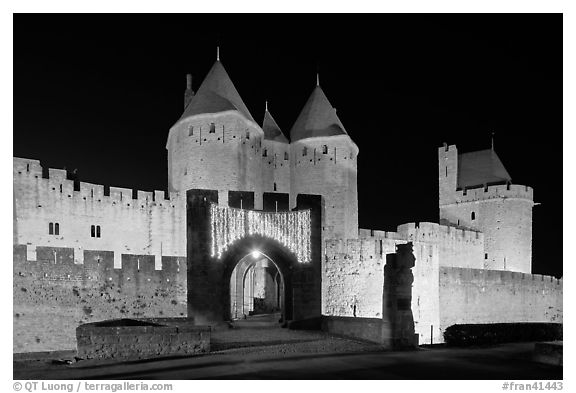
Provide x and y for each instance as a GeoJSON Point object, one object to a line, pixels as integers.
{"type": "Point", "coordinates": [476, 192]}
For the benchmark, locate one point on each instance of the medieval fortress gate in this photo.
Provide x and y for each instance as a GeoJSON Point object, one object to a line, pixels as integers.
{"type": "Point", "coordinates": [84, 252]}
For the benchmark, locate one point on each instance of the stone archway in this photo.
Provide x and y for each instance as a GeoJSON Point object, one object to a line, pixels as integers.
{"type": "Point", "coordinates": [256, 287]}
{"type": "Point", "coordinates": [208, 278]}
{"type": "Point", "coordinates": [285, 263]}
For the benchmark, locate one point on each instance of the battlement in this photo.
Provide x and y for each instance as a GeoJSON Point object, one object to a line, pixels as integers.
{"type": "Point", "coordinates": [424, 232]}
{"type": "Point", "coordinates": [449, 167]}
{"type": "Point", "coordinates": [374, 233]}
{"type": "Point", "coordinates": [27, 166]}
{"type": "Point", "coordinates": [502, 191]}
{"type": "Point", "coordinates": [27, 170]}
{"type": "Point", "coordinates": [52, 295]}
{"type": "Point", "coordinates": [457, 247]}
{"type": "Point", "coordinates": [58, 263]}
{"type": "Point", "coordinates": [57, 174]}
{"type": "Point", "coordinates": [433, 232]}
{"type": "Point", "coordinates": [361, 249]}
{"type": "Point", "coordinates": [447, 149]}
{"type": "Point", "coordinates": [503, 277]}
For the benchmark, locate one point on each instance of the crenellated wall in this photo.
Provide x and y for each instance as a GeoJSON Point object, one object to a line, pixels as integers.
{"type": "Point", "coordinates": [147, 225]}
{"type": "Point", "coordinates": [456, 247]}
{"type": "Point", "coordinates": [492, 296]}
{"type": "Point", "coordinates": [510, 191]}
{"type": "Point", "coordinates": [228, 159]}
{"type": "Point", "coordinates": [134, 267]}
{"type": "Point", "coordinates": [353, 286]}
{"type": "Point", "coordinates": [503, 213]}
{"type": "Point", "coordinates": [53, 295]}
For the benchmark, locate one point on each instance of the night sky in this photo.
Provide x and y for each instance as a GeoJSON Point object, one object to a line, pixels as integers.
{"type": "Point", "coordinates": [98, 93]}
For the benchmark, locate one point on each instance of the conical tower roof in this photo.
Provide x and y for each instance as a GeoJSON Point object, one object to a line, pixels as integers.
{"type": "Point", "coordinates": [317, 118]}
{"type": "Point", "coordinates": [216, 94]}
{"type": "Point", "coordinates": [479, 168]}
{"type": "Point", "coordinates": [271, 129]}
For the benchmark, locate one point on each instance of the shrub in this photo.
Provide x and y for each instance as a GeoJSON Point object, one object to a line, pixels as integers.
{"type": "Point", "coordinates": [496, 333]}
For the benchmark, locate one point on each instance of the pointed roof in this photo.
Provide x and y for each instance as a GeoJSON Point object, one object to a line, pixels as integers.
{"type": "Point", "coordinates": [479, 168]}
{"type": "Point", "coordinates": [317, 118]}
{"type": "Point", "coordinates": [271, 129]}
{"type": "Point", "coordinates": [216, 94]}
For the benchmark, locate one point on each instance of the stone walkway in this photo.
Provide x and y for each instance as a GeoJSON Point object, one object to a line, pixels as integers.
{"type": "Point", "coordinates": [275, 353]}
{"type": "Point", "coordinates": [266, 342]}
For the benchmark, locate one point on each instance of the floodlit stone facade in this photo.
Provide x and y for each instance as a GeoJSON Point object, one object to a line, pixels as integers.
{"type": "Point", "coordinates": [84, 252]}
{"type": "Point", "coordinates": [503, 212]}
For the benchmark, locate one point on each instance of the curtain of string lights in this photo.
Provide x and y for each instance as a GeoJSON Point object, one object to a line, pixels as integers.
{"type": "Point", "coordinates": [291, 229]}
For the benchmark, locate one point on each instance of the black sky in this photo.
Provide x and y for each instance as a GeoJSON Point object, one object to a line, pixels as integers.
{"type": "Point", "coordinates": [100, 92]}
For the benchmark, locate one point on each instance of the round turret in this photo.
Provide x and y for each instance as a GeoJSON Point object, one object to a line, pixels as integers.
{"type": "Point", "coordinates": [216, 144]}
{"type": "Point", "coordinates": [473, 196]}
{"type": "Point", "coordinates": [323, 161]}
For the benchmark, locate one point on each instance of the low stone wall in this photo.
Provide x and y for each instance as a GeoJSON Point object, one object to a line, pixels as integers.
{"type": "Point", "coordinates": [53, 295]}
{"type": "Point", "coordinates": [369, 329]}
{"type": "Point", "coordinates": [137, 339]}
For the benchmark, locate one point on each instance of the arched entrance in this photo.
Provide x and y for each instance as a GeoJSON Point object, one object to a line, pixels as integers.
{"type": "Point", "coordinates": [256, 287]}
{"type": "Point", "coordinates": [210, 299]}
{"type": "Point", "coordinates": [259, 283]}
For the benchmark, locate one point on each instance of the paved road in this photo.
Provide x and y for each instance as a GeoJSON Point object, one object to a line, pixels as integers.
{"type": "Point", "coordinates": [283, 354]}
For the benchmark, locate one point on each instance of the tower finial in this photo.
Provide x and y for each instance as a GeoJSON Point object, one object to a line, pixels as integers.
{"type": "Point", "coordinates": [266, 105]}
{"type": "Point", "coordinates": [492, 139]}
{"type": "Point", "coordinates": [317, 78]}
{"type": "Point", "coordinates": [217, 52]}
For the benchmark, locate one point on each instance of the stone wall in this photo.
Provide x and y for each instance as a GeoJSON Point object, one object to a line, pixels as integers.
{"type": "Point", "coordinates": [230, 158]}
{"type": "Point", "coordinates": [353, 278]}
{"type": "Point", "coordinates": [265, 290]}
{"type": "Point", "coordinates": [53, 295]}
{"type": "Point", "coordinates": [368, 329]}
{"type": "Point", "coordinates": [140, 339]}
{"type": "Point", "coordinates": [456, 247]}
{"type": "Point", "coordinates": [503, 213]}
{"type": "Point", "coordinates": [334, 176]}
{"type": "Point", "coordinates": [236, 157]}
{"type": "Point", "coordinates": [276, 167]}
{"type": "Point", "coordinates": [353, 281]}
{"type": "Point", "coordinates": [491, 296]}
{"type": "Point", "coordinates": [507, 227]}
{"type": "Point", "coordinates": [149, 224]}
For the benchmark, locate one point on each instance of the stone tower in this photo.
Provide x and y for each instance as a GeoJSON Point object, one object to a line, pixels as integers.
{"type": "Point", "coordinates": [323, 161]}
{"type": "Point", "coordinates": [476, 192]}
{"type": "Point", "coordinates": [275, 157]}
{"type": "Point", "coordinates": [216, 144]}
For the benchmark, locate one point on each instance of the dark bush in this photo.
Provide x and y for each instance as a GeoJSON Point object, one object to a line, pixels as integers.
{"type": "Point", "coordinates": [496, 333]}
